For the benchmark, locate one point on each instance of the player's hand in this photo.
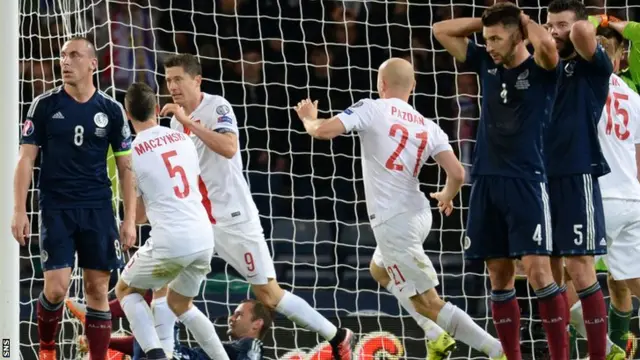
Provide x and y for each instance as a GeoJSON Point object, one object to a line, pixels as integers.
{"type": "Point", "coordinates": [178, 112]}
{"type": "Point", "coordinates": [20, 227]}
{"type": "Point", "coordinates": [306, 109]}
{"type": "Point", "coordinates": [445, 202]}
{"type": "Point", "coordinates": [127, 234]}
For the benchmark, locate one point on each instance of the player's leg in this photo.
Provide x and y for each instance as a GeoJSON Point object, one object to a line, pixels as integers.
{"type": "Point", "coordinates": [486, 239]}
{"type": "Point", "coordinates": [579, 234]}
{"type": "Point", "coordinates": [243, 246]}
{"type": "Point", "coordinates": [99, 253]}
{"type": "Point", "coordinates": [529, 224]}
{"type": "Point", "coordinates": [411, 271]}
{"type": "Point", "coordinates": [379, 273]}
{"type": "Point", "coordinates": [164, 319]}
{"type": "Point", "coordinates": [180, 296]}
{"type": "Point", "coordinates": [139, 275]}
{"type": "Point", "coordinates": [57, 255]}
{"type": "Point", "coordinates": [620, 311]}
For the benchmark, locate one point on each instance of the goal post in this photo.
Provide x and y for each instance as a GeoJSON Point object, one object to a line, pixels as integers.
{"type": "Point", "coordinates": [9, 125]}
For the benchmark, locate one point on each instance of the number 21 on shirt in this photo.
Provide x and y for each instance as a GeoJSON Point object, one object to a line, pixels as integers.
{"type": "Point", "coordinates": [392, 163]}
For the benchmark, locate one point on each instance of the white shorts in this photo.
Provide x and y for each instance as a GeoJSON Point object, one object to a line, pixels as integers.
{"type": "Point", "coordinates": [184, 274]}
{"type": "Point", "coordinates": [400, 251]}
{"type": "Point", "coordinates": [244, 247]}
{"type": "Point", "coordinates": [622, 221]}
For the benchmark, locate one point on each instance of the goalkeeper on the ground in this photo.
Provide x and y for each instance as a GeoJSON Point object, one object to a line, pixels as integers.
{"type": "Point", "coordinates": [248, 325]}
{"type": "Point", "coordinates": [615, 31]}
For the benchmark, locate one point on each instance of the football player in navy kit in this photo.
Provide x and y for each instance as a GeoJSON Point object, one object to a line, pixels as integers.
{"type": "Point", "coordinates": [73, 125]}
{"type": "Point", "coordinates": [509, 215]}
{"type": "Point", "coordinates": [574, 161]}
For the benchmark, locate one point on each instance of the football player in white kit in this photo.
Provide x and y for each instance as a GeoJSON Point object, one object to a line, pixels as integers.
{"type": "Point", "coordinates": [210, 122]}
{"type": "Point", "coordinates": [180, 247]}
{"type": "Point", "coordinates": [396, 141]}
{"type": "Point", "coordinates": [619, 134]}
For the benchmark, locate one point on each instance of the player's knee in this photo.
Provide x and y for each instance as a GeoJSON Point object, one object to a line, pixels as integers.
{"type": "Point", "coordinates": [629, 287]}
{"type": "Point", "coordinates": [379, 274]}
{"type": "Point", "coordinates": [582, 270]}
{"type": "Point", "coordinates": [96, 290]}
{"type": "Point", "coordinates": [502, 273]}
{"type": "Point", "coordinates": [269, 294]}
{"type": "Point", "coordinates": [618, 290]}
{"type": "Point", "coordinates": [428, 304]}
{"type": "Point", "coordinates": [538, 270]}
{"type": "Point", "coordinates": [56, 285]}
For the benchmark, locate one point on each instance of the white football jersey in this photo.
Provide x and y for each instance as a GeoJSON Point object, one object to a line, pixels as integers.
{"type": "Point", "coordinates": [395, 141]}
{"type": "Point", "coordinates": [166, 166]}
{"type": "Point", "coordinates": [619, 132]}
{"type": "Point", "coordinates": [225, 190]}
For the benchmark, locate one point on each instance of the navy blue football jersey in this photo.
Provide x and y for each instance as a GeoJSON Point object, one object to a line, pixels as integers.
{"type": "Point", "coordinates": [516, 104]}
{"type": "Point", "coordinates": [74, 139]}
{"type": "Point", "coordinates": [571, 140]}
{"type": "Point", "coordinates": [242, 349]}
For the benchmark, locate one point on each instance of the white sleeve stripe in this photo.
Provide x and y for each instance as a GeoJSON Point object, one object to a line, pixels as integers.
{"type": "Point", "coordinates": [104, 95]}
{"type": "Point", "coordinates": [34, 105]}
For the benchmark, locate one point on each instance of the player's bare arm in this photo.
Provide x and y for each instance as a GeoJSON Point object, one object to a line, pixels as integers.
{"type": "Point", "coordinates": [545, 53]}
{"type": "Point", "coordinates": [141, 211]}
{"type": "Point", "coordinates": [128, 184]}
{"type": "Point", "coordinates": [324, 129]}
{"type": "Point", "coordinates": [583, 37]}
{"type": "Point", "coordinates": [21, 181]}
{"type": "Point", "coordinates": [455, 179]}
{"type": "Point", "coordinates": [225, 144]}
{"type": "Point", "coordinates": [453, 35]}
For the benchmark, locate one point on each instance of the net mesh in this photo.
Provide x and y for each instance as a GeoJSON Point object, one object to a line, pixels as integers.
{"type": "Point", "coordinates": [263, 56]}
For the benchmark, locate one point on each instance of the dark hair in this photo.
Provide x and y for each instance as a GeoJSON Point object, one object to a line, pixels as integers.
{"type": "Point", "coordinates": [575, 6]}
{"type": "Point", "coordinates": [140, 101]}
{"type": "Point", "coordinates": [504, 13]}
{"type": "Point", "coordinates": [609, 33]}
{"type": "Point", "coordinates": [261, 311]}
{"type": "Point", "coordinates": [187, 62]}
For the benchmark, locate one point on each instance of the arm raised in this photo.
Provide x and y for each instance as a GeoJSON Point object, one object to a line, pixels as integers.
{"type": "Point", "coordinates": [544, 47]}
{"type": "Point", "coordinates": [583, 37]}
{"type": "Point", "coordinates": [453, 35]}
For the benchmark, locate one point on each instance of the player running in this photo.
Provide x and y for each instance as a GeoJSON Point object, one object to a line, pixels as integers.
{"type": "Point", "coordinates": [210, 122]}
{"type": "Point", "coordinates": [396, 141]}
{"type": "Point", "coordinates": [179, 249]}
{"type": "Point", "coordinates": [74, 125]}
{"type": "Point", "coordinates": [248, 325]}
{"type": "Point", "coordinates": [574, 162]}
{"type": "Point", "coordinates": [509, 207]}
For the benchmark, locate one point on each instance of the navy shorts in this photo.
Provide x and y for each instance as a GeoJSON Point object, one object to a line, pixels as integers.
{"type": "Point", "coordinates": [577, 216]}
{"type": "Point", "coordinates": [92, 233]}
{"type": "Point", "coordinates": [508, 218]}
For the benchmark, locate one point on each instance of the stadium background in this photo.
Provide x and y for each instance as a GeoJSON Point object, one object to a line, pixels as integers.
{"type": "Point", "coordinates": [264, 56]}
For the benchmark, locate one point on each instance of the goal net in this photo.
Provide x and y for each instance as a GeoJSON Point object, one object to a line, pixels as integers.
{"type": "Point", "coordinates": [264, 56]}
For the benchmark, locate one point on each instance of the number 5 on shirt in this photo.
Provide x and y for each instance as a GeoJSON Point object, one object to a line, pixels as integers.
{"type": "Point", "coordinates": [176, 170]}
{"type": "Point", "coordinates": [404, 136]}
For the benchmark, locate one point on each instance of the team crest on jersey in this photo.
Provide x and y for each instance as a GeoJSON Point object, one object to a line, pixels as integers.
{"type": "Point", "coordinates": [569, 69]}
{"type": "Point", "coordinates": [522, 82]}
{"type": "Point", "coordinates": [358, 104]}
{"type": "Point", "coordinates": [27, 128]}
{"type": "Point", "coordinates": [126, 131]}
{"type": "Point", "coordinates": [101, 119]}
{"type": "Point", "coordinates": [225, 120]}
{"type": "Point", "coordinates": [222, 110]}
{"type": "Point", "coordinates": [44, 256]}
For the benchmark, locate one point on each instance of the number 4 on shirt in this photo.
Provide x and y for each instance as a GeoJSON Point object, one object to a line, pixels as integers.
{"type": "Point", "coordinates": [404, 136]}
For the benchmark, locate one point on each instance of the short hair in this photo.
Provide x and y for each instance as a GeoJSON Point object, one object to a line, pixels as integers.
{"type": "Point", "coordinates": [504, 13]}
{"type": "Point", "coordinates": [260, 311]}
{"type": "Point", "coordinates": [87, 41]}
{"type": "Point", "coordinates": [609, 34]}
{"type": "Point", "coordinates": [140, 101]}
{"type": "Point", "coordinates": [575, 6]}
{"type": "Point", "coordinates": [189, 63]}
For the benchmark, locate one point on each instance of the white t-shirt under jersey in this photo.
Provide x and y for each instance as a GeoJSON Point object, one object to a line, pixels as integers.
{"type": "Point", "coordinates": [166, 166]}
{"type": "Point", "coordinates": [619, 132]}
{"type": "Point", "coordinates": [396, 141]}
{"type": "Point", "coordinates": [226, 192]}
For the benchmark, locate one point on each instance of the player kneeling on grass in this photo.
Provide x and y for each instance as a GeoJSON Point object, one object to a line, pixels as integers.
{"type": "Point", "coordinates": [178, 253]}
{"type": "Point", "coordinates": [396, 141]}
{"type": "Point", "coordinates": [248, 325]}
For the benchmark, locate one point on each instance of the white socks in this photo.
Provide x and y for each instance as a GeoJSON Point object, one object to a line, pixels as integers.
{"type": "Point", "coordinates": [577, 321]}
{"type": "Point", "coordinates": [141, 321]}
{"type": "Point", "coordinates": [431, 330]}
{"type": "Point", "coordinates": [205, 334]}
{"type": "Point", "coordinates": [301, 313]}
{"type": "Point", "coordinates": [165, 321]}
{"type": "Point", "coordinates": [462, 327]}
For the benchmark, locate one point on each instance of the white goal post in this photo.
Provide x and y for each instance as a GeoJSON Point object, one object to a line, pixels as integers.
{"type": "Point", "coordinates": [309, 192]}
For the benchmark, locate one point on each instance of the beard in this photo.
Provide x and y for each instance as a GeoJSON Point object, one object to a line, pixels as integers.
{"type": "Point", "coordinates": [567, 50]}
